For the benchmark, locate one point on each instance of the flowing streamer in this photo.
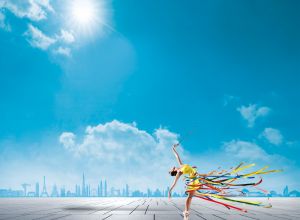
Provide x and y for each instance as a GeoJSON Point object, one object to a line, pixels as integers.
{"type": "Point", "coordinates": [220, 185]}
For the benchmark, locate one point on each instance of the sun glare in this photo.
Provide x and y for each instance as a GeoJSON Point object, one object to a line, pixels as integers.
{"type": "Point", "coordinates": [83, 12]}
{"type": "Point", "coordinates": [86, 16]}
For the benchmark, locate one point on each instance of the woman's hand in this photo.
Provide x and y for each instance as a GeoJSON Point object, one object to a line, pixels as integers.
{"type": "Point", "coordinates": [175, 145]}
{"type": "Point", "coordinates": [170, 194]}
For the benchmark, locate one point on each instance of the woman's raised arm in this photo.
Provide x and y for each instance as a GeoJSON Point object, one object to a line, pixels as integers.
{"type": "Point", "coordinates": [176, 154]}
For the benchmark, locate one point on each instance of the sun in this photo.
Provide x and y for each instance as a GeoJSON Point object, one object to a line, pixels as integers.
{"type": "Point", "coordinates": [86, 16]}
{"type": "Point", "coordinates": [83, 12]}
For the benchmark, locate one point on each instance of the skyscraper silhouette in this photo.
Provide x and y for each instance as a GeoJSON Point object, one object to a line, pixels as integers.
{"type": "Point", "coordinates": [83, 186]}
{"type": "Point", "coordinates": [54, 192]}
{"type": "Point", "coordinates": [44, 193]}
{"type": "Point", "coordinates": [77, 190]}
{"type": "Point", "coordinates": [101, 188]}
{"type": "Point", "coordinates": [167, 192]}
{"type": "Point", "coordinates": [37, 190]}
{"type": "Point", "coordinates": [149, 193]}
{"type": "Point", "coordinates": [127, 191]}
{"type": "Point", "coordinates": [105, 188]}
{"type": "Point", "coordinates": [88, 190]}
{"type": "Point", "coordinates": [286, 191]}
{"type": "Point", "coordinates": [63, 192]}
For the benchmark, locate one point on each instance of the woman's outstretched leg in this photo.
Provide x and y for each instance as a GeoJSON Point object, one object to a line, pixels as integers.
{"type": "Point", "coordinates": [188, 202]}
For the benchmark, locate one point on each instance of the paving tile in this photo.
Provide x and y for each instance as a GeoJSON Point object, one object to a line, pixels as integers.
{"type": "Point", "coordinates": [131, 217]}
{"type": "Point", "coordinates": [81, 217]}
{"type": "Point", "coordinates": [168, 217]}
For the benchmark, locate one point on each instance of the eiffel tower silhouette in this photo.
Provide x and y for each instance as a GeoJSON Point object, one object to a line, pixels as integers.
{"type": "Point", "coordinates": [44, 193]}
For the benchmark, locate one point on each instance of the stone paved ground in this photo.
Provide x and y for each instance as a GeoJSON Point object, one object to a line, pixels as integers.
{"type": "Point", "coordinates": [138, 209]}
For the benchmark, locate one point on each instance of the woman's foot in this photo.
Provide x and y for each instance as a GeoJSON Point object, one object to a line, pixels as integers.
{"type": "Point", "coordinates": [185, 213]}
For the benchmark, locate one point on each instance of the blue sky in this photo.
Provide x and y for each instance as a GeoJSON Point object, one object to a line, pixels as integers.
{"type": "Point", "coordinates": [115, 90]}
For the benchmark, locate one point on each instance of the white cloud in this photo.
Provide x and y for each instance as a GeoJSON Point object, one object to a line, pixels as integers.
{"type": "Point", "coordinates": [38, 39]}
{"type": "Point", "coordinates": [272, 135]}
{"type": "Point", "coordinates": [119, 141]}
{"type": "Point", "coordinates": [35, 10]}
{"type": "Point", "coordinates": [44, 3]}
{"type": "Point", "coordinates": [68, 140]}
{"type": "Point", "coordinates": [63, 51]}
{"type": "Point", "coordinates": [235, 151]}
{"type": "Point", "coordinates": [3, 23]}
{"type": "Point", "coordinates": [252, 112]}
{"type": "Point", "coordinates": [66, 36]}
{"type": "Point", "coordinates": [245, 150]}
{"type": "Point", "coordinates": [120, 148]}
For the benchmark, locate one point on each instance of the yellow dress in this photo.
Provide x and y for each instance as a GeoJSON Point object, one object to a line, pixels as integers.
{"type": "Point", "coordinates": [191, 172]}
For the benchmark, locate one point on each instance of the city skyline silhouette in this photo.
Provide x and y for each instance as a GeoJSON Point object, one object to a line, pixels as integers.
{"type": "Point", "coordinates": [101, 190]}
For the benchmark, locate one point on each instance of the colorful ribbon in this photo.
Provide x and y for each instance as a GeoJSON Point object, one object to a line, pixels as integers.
{"type": "Point", "coordinates": [218, 185]}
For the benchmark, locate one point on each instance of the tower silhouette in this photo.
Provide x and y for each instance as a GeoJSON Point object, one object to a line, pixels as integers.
{"type": "Point", "coordinates": [44, 192]}
{"type": "Point", "coordinates": [83, 186]}
{"type": "Point", "coordinates": [127, 191]}
{"type": "Point", "coordinates": [101, 189]}
{"type": "Point", "coordinates": [105, 189]}
{"type": "Point", "coordinates": [77, 187]}
{"type": "Point", "coordinates": [286, 191]}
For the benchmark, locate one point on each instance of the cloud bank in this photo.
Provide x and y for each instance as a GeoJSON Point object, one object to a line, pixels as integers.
{"type": "Point", "coordinates": [122, 142]}
{"type": "Point", "coordinates": [34, 10]}
{"type": "Point", "coordinates": [122, 149]}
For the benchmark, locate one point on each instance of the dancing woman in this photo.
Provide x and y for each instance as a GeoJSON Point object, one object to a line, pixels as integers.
{"type": "Point", "coordinates": [177, 172]}
{"type": "Point", "coordinates": [215, 185]}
